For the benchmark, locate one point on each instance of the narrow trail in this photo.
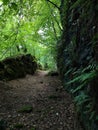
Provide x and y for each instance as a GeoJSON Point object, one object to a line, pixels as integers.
{"type": "Point", "coordinates": [52, 107]}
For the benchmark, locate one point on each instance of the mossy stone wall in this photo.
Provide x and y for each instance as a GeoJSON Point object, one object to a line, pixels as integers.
{"type": "Point", "coordinates": [78, 55]}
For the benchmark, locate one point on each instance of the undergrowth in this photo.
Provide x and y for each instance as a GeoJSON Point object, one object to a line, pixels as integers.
{"type": "Point", "coordinates": [80, 86]}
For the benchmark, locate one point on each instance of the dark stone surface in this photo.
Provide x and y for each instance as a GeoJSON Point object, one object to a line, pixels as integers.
{"type": "Point", "coordinates": [78, 47]}
{"type": "Point", "coordinates": [17, 67]}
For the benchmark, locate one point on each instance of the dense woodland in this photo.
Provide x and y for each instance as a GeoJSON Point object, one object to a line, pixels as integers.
{"type": "Point", "coordinates": [60, 35]}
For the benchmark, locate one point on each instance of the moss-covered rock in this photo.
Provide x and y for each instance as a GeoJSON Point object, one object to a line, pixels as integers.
{"type": "Point", "coordinates": [17, 67]}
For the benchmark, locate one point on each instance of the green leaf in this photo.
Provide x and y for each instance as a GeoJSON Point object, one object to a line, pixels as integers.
{"type": "Point", "coordinates": [92, 115]}
{"type": "Point", "coordinates": [13, 6]}
{"type": "Point", "coordinates": [5, 2]}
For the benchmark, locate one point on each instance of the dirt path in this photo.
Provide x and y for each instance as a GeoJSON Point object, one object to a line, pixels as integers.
{"type": "Point", "coordinates": [50, 107]}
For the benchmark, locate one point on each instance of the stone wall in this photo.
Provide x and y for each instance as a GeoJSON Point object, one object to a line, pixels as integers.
{"type": "Point", "coordinates": [78, 54]}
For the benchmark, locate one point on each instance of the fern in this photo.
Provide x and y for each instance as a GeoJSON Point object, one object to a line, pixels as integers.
{"type": "Point", "coordinates": [81, 98]}
{"type": "Point", "coordinates": [83, 78]}
{"type": "Point", "coordinates": [77, 3]}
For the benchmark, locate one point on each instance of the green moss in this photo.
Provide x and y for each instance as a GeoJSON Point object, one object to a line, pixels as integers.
{"type": "Point", "coordinates": [18, 126]}
{"type": "Point", "coordinates": [10, 71]}
{"type": "Point", "coordinates": [25, 109]}
{"type": "Point", "coordinates": [32, 129]}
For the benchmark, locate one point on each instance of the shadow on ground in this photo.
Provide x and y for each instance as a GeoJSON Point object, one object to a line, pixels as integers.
{"type": "Point", "coordinates": [37, 102]}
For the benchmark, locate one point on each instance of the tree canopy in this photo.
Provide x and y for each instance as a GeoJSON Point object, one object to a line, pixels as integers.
{"type": "Point", "coordinates": [29, 26]}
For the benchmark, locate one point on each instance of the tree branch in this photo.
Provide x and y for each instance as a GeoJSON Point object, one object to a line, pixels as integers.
{"type": "Point", "coordinates": [53, 4]}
